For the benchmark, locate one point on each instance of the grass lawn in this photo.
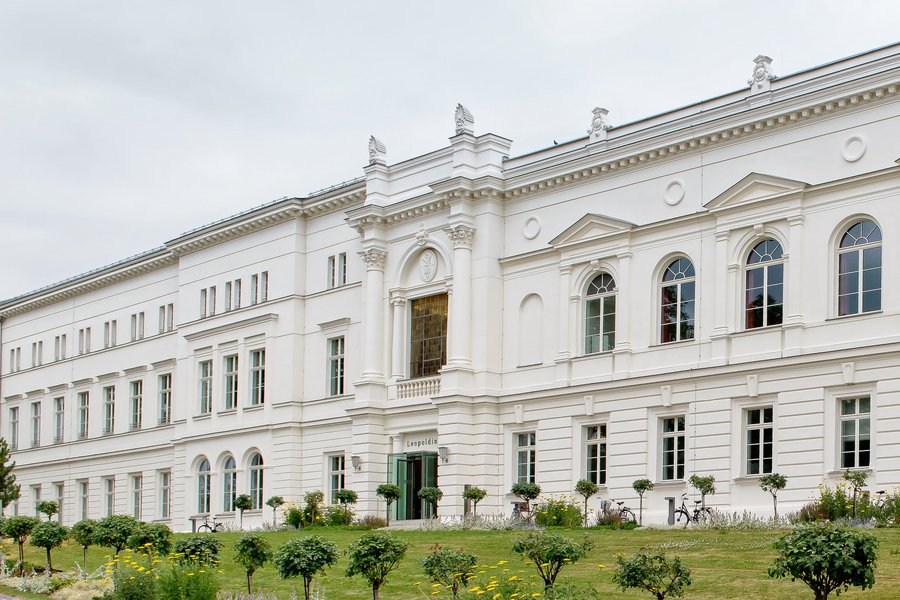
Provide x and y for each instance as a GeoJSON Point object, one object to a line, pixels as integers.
{"type": "Point", "coordinates": [726, 564]}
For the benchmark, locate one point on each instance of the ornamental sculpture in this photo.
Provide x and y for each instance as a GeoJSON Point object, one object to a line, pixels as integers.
{"type": "Point", "coordinates": [427, 264]}
{"type": "Point", "coordinates": [461, 235]}
{"type": "Point", "coordinates": [377, 151]}
{"type": "Point", "coordinates": [421, 236]}
{"type": "Point", "coordinates": [374, 259]}
{"type": "Point", "coordinates": [599, 125]}
{"type": "Point", "coordinates": [762, 74]}
{"type": "Point", "coordinates": [465, 122]}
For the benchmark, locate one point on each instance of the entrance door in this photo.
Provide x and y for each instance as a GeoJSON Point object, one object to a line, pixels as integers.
{"type": "Point", "coordinates": [412, 471]}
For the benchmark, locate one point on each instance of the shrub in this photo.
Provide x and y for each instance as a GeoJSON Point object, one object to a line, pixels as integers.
{"type": "Point", "coordinates": [200, 548]}
{"type": "Point", "coordinates": [431, 495]}
{"type": "Point", "coordinates": [550, 552]}
{"type": "Point", "coordinates": [826, 558]}
{"type": "Point", "coordinates": [557, 512]}
{"type": "Point", "coordinates": [586, 488]}
{"type": "Point", "coordinates": [705, 484]}
{"type": "Point", "coordinates": [304, 558]}
{"type": "Point", "coordinates": [19, 528]}
{"type": "Point", "coordinates": [48, 535]}
{"type": "Point", "coordinates": [527, 492]}
{"type": "Point", "coordinates": [339, 514]}
{"type": "Point", "coordinates": [293, 516]}
{"type": "Point", "coordinates": [345, 496]}
{"type": "Point", "coordinates": [48, 507]}
{"type": "Point", "coordinates": [371, 522]}
{"type": "Point", "coordinates": [147, 537]}
{"type": "Point", "coordinates": [451, 568]}
{"type": "Point", "coordinates": [857, 481]}
{"type": "Point", "coordinates": [374, 556]}
{"type": "Point", "coordinates": [313, 501]}
{"type": "Point", "coordinates": [251, 552]}
{"type": "Point", "coordinates": [186, 582]}
{"type": "Point", "coordinates": [773, 483]}
{"type": "Point", "coordinates": [130, 583]}
{"type": "Point", "coordinates": [83, 535]}
{"type": "Point", "coordinates": [113, 531]}
{"type": "Point", "coordinates": [641, 486]}
{"type": "Point", "coordinates": [474, 495]}
{"type": "Point", "coordinates": [389, 492]}
{"type": "Point", "coordinates": [275, 502]}
{"type": "Point", "coordinates": [654, 573]}
{"type": "Point", "coordinates": [241, 503]}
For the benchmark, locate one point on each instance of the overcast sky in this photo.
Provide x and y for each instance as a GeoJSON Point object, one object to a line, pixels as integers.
{"type": "Point", "coordinates": [123, 124]}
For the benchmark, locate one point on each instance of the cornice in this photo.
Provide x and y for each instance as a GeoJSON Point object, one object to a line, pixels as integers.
{"type": "Point", "coordinates": [370, 215]}
{"type": "Point", "coordinates": [230, 326]}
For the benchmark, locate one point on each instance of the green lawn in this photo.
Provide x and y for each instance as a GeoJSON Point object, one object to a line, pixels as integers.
{"type": "Point", "coordinates": [725, 564]}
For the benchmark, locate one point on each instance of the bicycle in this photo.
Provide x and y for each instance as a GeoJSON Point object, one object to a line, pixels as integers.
{"type": "Point", "coordinates": [624, 514]}
{"type": "Point", "coordinates": [216, 527]}
{"type": "Point", "coordinates": [683, 515]}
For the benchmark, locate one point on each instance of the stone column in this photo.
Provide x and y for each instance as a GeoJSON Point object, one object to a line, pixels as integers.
{"type": "Point", "coordinates": [397, 339]}
{"type": "Point", "coordinates": [373, 362]}
{"type": "Point", "coordinates": [459, 342]}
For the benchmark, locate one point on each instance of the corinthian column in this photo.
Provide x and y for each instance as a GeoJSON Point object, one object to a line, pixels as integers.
{"type": "Point", "coordinates": [373, 326]}
{"type": "Point", "coordinates": [459, 342]}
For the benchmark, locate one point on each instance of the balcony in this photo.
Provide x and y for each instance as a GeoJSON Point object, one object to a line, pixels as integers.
{"type": "Point", "coordinates": [424, 387]}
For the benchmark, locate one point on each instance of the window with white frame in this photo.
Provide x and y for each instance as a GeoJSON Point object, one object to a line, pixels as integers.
{"type": "Point", "coordinates": [109, 409]}
{"type": "Point", "coordinates": [84, 340]}
{"type": "Point", "coordinates": [855, 428]}
{"type": "Point", "coordinates": [60, 495]}
{"type": "Point", "coordinates": [165, 398]}
{"type": "Point", "coordinates": [336, 476]}
{"type": "Point", "coordinates": [37, 354]}
{"type": "Point", "coordinates": [232, 295]}
{"type": "Point", "coordinates": [204, 302]}
{"type": "Point", "coordinates": [83, 499]}
{"type": "Point", "coordinates": [229, 484]}
{"type": "Point", "coordinates": [203, 487]}
{"type": "Point", "coordinates": [337, 270]}
{"type": "Point", "coordinates": [600, 315]}
{"type": "Point", "coordinates": [859, 269]}
{"type": "Point", "coordinates": [59, 420]}
{"type": "Point", "coordinates": [137, 496]}
{"type": "Point", "coordinates": [59, 347]}
{"type": "Point", "coordinates": [673, 446]}
{"type": "Point", "coordinates": [14, 428]}
{"type": "Point", "coordinates": [677, 302]}
{"type": "Point", "coordinates": [109, 333]}
{"type": "Point", "coordinates": [166, 318]}
{"type": "Point", "coordinates": [15, 360]}
{"type": "Point", "coordinates": [36, 498]}
{"type": "Point", "coordinates": [764, 285]}
{"type": "Point", "coordinates": [84, 408]}
{"type": "Point", "coordinates": [227, 296]}
{"type": "Point", "coordinates": [336, 366]}
{"type": "Point", "coordinates": [211, 301]}
{"type": "Point", "coordinates": [264, 286]}
{"type": "Point", "coordinates": [109, 496]}
{"type": "Point", "coordinates": [257, 377]}
{"type": "Point", "coordinates": [206, 375]}
{"type": "Point", "coordinates": [165, 494]}
{"type": "Point", "coordinates": [137, 404]}
{"type": "Point", "coordinates": [760, 441]}
{"type": "Point", "coordinates": [35, 424]}
{"type": "Point", "coordinates": [137, 326]}
{"type": "Point", "coordinates": [526, 457]}
{"type": "Point", "coordinates": [256, 481]}
{"type": "Point", "coordinates": [230, 365]}
{"type": "Point", "coordinates": [595, 453]}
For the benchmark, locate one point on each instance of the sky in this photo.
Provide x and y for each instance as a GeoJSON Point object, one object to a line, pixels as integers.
{"type": "Point", "coordinates": [126, 123]}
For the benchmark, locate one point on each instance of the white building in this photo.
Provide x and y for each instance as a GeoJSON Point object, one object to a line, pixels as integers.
{"type": "Point", "coordinates": [711, 290]}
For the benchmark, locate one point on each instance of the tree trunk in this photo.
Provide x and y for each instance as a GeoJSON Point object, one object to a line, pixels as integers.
{"type": "Point", "coordinates": [775, 503]}
{"type": "Point", "coordinates": [49, 564]}
{"type": "Point", "coordinates": [388, 523]}
{"type": "Point", "coordinates": [641, 510]}
{"type": "Point", "coordinates": [84, 559]}
{"type": "Point", "coordinates": [585, 512]}
{"type": "Point", "coordinates": [22, 556]}
{"type": "Point", "coordinates": [249, 583]}
{"type": "Point", "coordinates": [475, 509]}
{"type": "Point", "coordinates": [306, 583]}
{"type": "Point", "coordinates": [375, 587]}
{"type": "Point", "coordinates": [274, 518]}
{"type": "Point", "coordinates": [242, 520]}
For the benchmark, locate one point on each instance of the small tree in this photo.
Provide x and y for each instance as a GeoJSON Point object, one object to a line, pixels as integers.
{"type": "Point", "coordinates": [389, 493]}
{"type": "Point", "coordinates": [198, 549]}
{"type": "Point", "coordinates": [654, 573]}
{"type": "Point", "coordinates": [431, 495]}
{"type": "Point", "coordinates": [48, 507]}
{"type": "Point", "coordinates": [275, 502]}
{"type": "Point", "coordinates": [527, 492]}
{"type": "Point", "coordinates": [155, 536]}
{"type": "Point", "coordinates": [641, 486]}
{"type": "Point", "coordinates": [451, 568]}
{"type": "Point", "coordinates": [857, 481]}
{"type": "Point", "coordinates": [374, 556]}
{"type": "Point", "coordinates": [826, 558]}
{"type": "Point", "coordinates": [305, 557]}
{"type": "Point", "coordinates": [474, 495]}
{"type": "Point", "coordinates": [705, 484]}
{"type": "Point", "coordinates": [773, 483]}
{"type": "Point", "coordinates": [313, 501]}
{"type": "Point", "coordinates": [251, 552]}
{"type": "Point", "coordinates": [48, 535]}
{"type": "Point", "coordinates": [9, 489]}
{"type": "Point", "coordinates": [83, 534]}
{"type": "Point", "coordinates": [242, 503]}
{"type": "Point", "coordinates": [18, 529]}
{"type": "Point", "coordinates": [113, 531]}
{"type": "Point", "coordinates": [550, 552]}
{"type": "Point", "coordinates": [345, 496]}
{"type": "Point", "coordinates": [586, 488]}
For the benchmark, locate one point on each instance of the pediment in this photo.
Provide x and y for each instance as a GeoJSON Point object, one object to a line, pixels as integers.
{"type": "Point", "coordinates": [590, 227]}
{"type": "Point", "coordinates": [754, 188]}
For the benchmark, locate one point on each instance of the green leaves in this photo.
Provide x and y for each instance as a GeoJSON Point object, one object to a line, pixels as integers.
{"type": "Point", "coordinates": [304, 557]}
{"type": "Point", "coordinates": [655, 573]}
{"type": "Point", "coordinates": [389, 492]}
{"type": "Point", "coordinates": [201, 548]}
{"type": "Point", "coordinates": [642, 486]}
{"type": "Point", "coordinates": [374, 556]}
{"type": "Point", "coordinates": [773, 483]}
{"type": "Point", "coordinates": [345, 496]}
{"type": "Point", "coordinates": [526, 491]}
{"type": "Point", "coordinates": [243, 502]}
{"type": "Point", "coordinates": [48, 507]}
{"type": "Point", "coordinates": [550, 552]}
{"type": "Point", "coordinates": [452, 568]}
{"type": "Point", "coordinates": [251, 552]}
{"type": "Point", "coordinates": [586, 488]}
{"type": "Point", "coordinates": [705, 484]}
{"type": "Point", "coordinates": [48, 534]}
{"type": "Point", "coordinates": [113, 531]}
{"type": "Point", "coordinates": [9, 489]}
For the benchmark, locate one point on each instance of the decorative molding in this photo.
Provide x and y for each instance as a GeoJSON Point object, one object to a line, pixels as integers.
{"type": "Point", "coordinates": [599, 125]}
{"type": "Point", "coordinates": [666, 393]}
{"type": "Point", "coordinates": [421, 236]}
{"type": "Point", "coordinates": [848, 370]}
{"type": "Point", "coordinates": [377, 151]}
{"type": "Point", "coordinates": [257, 320]}
{"type": "Point", "coordinates": [589, 406]}
{"type": "Point", "coordinates": [519, 411]}
{"type": "Point", "coordinates": [753, 385]}
{"type": "Point", "coordinates": [461, 235]}
{"type": "Point", "coordinates": [374, 259]}
{"type": "Point", "coordinates": [761, 81]}
{"type": "Point", "coordinates": [372, 215]}
{"type": "Point", "coordinates": [854, 148]}
{"type": "Point", "coordinates": [428, 264]}
{"type": "Point", "coordinates": [336, 325]}
{"type": "Point", "coordinates": [135, 370]}
{"type": "Point", "coordinates": [465, 122]}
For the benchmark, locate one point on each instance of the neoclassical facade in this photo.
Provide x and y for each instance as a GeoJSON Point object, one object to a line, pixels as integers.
{"type": "Point", "coordinates": [711, 290]}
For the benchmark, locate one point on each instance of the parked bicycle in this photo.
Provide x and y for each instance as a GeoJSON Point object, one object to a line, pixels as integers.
{"type": "Point", "coordinates": [617, 509]}
{"type": "Point", "coordinates": [684, 515]}
{"type": "Point", "coordinates": [206, 526]}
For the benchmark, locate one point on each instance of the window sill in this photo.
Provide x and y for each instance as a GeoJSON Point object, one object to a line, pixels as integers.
{"type": "Point", "coordinates": [227, 411]}
{"type": "Point", "coordinates": [675, 343]}
{"type": "Point", "coordinates": [669, 483]}
{"type": "Point", "coordinates": [840, 472]}
{"type": "Point", "coordinates": [251, 407]}
{"type": "Point", "coordinates": [202, 416]}
{"type": "Point", "coordinates": [594, 355]}
{"type": "Point", "coordinates": [748, 478]}
{"type": "Point", "coordinates": [860, 315]}
{"type": "Point", "coordinates": [758, 330]}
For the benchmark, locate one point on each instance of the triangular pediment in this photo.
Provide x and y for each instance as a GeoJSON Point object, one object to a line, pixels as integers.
{"type": "Point", "coordinates": [753, 188]}
{"type": "Point", "coordinates": [590, 227]}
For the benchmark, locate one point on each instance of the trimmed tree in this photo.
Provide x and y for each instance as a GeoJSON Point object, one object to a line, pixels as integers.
{"type": "Point", "coordinates": [857, 481]}
{"type": "Point", "coordinates": [773, 483]}
{"type": "Point", "coordinates": [389, 493]}
{"type": "Point", "coordinates": [655, 573]}
{"type": "Point", "coordinates": [474, 495]}
{"type": "Point", "coordinates": [432, 496]}
{"type": "Point", "coordinates": [48, 535]}
{"type": "Point", "coordinates": [705, 484]}
{"type": "Point", "coordinates": [18, 529]}
{"type": "Point", "coordinates": [641, 486]}
{"type": "Point", "coordinates": [113, 531]}
{"type": "Point", "coordinates": [151, 536]}
{"type": "Point", "coordinates": [275, 502]}
{"type": "Point", "coordinates": [826, 558]}
{"type": "Point", "coordinates": [9, 489]}
{"type": "Point", "coordinates": [83, 534]}
{"type": "Point", "coordinates": [48, 507]}
{"type": "Point", "coordinates": [251, 552]}
{"type": "Point", "coordinates": [374, 556]}
{"type": "Point", "coordinates": [526, 491]}
{"type": "Point", "coordinates": [586, 488]}
{"type": "Point", "coordinates": [550, 552]}
{"type": "Point", "coordinates": [345, 496]}
{"type": "Point", "coordinates": [451, 568]}
{"type": "Point", "coordinates": [313, 501]}
{"type": "Point", "coordinates": [305, 557]}
{"type": "Point", "coordinates": [242, 503]}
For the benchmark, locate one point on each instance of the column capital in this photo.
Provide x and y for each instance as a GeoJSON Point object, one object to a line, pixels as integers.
{"type": "Point", "coordinates": [374, 259]}
{"type": "Point", "coordinates": [398, 301]}
{"type": "Point", "coordinates": [461, 235]}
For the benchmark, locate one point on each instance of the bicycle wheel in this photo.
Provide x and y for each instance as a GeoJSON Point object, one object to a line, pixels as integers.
{"type": "Point", "coordinates": [204, 528]}
{"type": "Point", "coordinates": [682, 517]}
{"type": "Point", "coordinates": [218, 527]}
{"type": "Point", "coordinates": [627, 516]}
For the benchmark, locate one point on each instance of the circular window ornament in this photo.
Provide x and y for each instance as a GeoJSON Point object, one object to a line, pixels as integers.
{"type": "Point", "coordinates": [674, 193]}
{"type": "Point", "coordinates": [532, 228]}
{"type": "Point", "coordinates": [854, 148]}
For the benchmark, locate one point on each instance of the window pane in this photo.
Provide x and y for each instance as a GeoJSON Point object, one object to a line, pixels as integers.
{"type": "Point", "coordinates": [864, 405]}
{"type": "Point", "coordinates": [753, 416]}
{"type": "Point", "coordinates": [872, 301]}
{"type": "Point", "coordinates": [848, 406]}
{"type": "Point", "coordinates": [872, 258]}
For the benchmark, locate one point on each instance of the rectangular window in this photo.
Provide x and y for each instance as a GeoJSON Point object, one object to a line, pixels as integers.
{"type": "Point", "coordinates": [332, 271]}
{"type": "Point", "coordinates": [337, 270]}
{"type": "Point", "coordinates": [263, 286]}
{"type": "Point", "coordinates": [673, 448]}
{"type": "Point", "coordinates": [109, 496]}
{"type": "Point", "coordinates": [137, 496]}
{"type": "Point", "coordinates": [206, 374]}
{"type": "Point", "coordinates": [137, 404]}
{"type": "Point", "coordinates": [14, 428]}
{"type": "Point", "coordinates": [165, 398]}
{"type": "Point", "coordinates": [36, 498]}
{"type": "Point", "coordinates": [165, 494]}
{"type": "Point", "coordinates": [760, 441]}
{"type": "Point", "coordinates": [600, 324]}
{"type": "Point", "coordinates": [336, 476]}
{"type": "Point", "coordinates": [84, 401]}
{"type": "Point", "coordinates": [204, 302]}
{"type": "Point", "coordinates": [211, 308]}
{"type": "Point", "coordinates": [233, 295]}
{"type": "Point", "coordinates": [83, 496]}
{"type": "Point", "coordinates": [254, 289]}
{"type": "Point", "coordinates": [59, 347]}
{"type": "Point", "coordinates": [231, 382]}
{"type": "Point", "coordinates": [237, 293]}
{"type": "Point", "coordinates": [166, 318]}
{"type": "Point", "coordinates": [595, 454]}
{"type": "Point", "coordinates": [428, 335]}
{"type": "Point", "coordinates": [227, 296]}
{"type": "Point", "coordinates": [109, 334]}
{"type": "Point", "coordinates": [855, 432]}
{"type": "Point", "coordinates": [137, 326]}
{"type": "Point", "coordinates": [37, 354]}
{"type": "Point", "coordinates": [336, 366]}
{"type": "Point", "coordinates": [257, 377]}
{"type": "Point", "coordinates": [84, 340]}
{"type": "Point", "coordinates": [59, 420]}
{"type": "Point", "coordinates": [60, 495]}
{"type": "Point", "coordinates": [35, 424]}
{"type": "Point", "coordinates": [109, 409]}
{"type": "Point", "coordinates": [525, 457]}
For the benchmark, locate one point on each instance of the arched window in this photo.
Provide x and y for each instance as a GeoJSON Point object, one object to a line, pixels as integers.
{"type": "Point", "coordinates": [677, 302]}
{"type": "Point", "coordinates": [256, 481]}
{"type": "Point", "coordinates": [600, 315]}
{"type": "Point", "coordinates": [764, 300]}
{"type": "Point", "coordinates": [229, 485]}
{"type": "Point", "coordinates": [203, 487]}
{"type": "Point", "coordinates": [859, 269]}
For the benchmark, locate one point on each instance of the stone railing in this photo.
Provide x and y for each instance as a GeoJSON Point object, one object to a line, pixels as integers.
{"type": "Point", "coordinates": [424, 387]}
